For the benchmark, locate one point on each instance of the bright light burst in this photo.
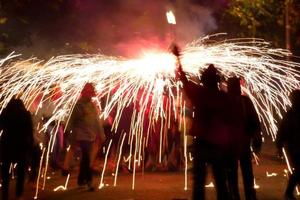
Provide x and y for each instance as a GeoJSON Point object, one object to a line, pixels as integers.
{"type": "Point", "coordinates": [171, 17]}
{"type": "Point", "coordinates": [148, 84]}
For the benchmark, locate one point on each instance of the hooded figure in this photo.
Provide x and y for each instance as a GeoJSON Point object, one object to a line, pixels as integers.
{"type": "Point", "coordinates": [16, 143]}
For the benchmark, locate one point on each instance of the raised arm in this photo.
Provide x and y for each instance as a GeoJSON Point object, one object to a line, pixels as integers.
{"type": "Point", "coordinates": [190, 88]}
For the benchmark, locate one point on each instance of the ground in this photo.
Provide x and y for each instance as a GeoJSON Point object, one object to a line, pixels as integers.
{"type": "Point", "coordinates": [164, 185]}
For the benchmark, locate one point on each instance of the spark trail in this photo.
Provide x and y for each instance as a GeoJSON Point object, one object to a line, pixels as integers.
{"type": "Point", "coordinates": [147, 84]}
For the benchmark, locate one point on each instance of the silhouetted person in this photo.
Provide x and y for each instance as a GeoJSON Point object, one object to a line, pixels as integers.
{"type": "Point", "coordinates": [84, 125]}
{"type": "Point", "coordinates": [210, 129]}
{"type": "Point", "coordinates": [16, 143]}
{"type": "Point", "coordinates": [289, 137]}
{"type": "Point", "coordinates": [246, 132]}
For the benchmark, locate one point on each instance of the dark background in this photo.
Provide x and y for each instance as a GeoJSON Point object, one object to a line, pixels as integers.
{"type": "Point", "coordinates": [47, 28]}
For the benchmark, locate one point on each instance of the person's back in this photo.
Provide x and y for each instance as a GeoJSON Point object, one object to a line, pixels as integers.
{"type": "Point", "coordinates": [210, 129]}
{"type": "Point", "coordinates": [245, 129]}
{"type": "Point", "coordinates": [16, 143]}
{"type": "Point", "coordinates": [17, 128]}
{"type": "Point", "coordinates": [289, 136]}
{"type": "Point", "coordinates": [85, 124]}
{"type": "Point", "coordinates": [213, 117]}
{"type": "Point", "coordinates": [291, 128]}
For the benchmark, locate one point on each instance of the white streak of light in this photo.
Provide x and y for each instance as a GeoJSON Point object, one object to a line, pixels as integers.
{"type": "Point", "coordinates": [63, 187]}
{"type": "Point", "coordinates": [256, 158]}
{"type": "Point", "coordinates": [119, 158]}
{"type": "Point", "coordinates": [191, 157]}
{"type": "Point", "coordinates": [255, 185]}
{"type": "Point", "coordinates": [289, 167]}
{"type": "Point", "coordinates": [39, 174]}
{"type": "Point", "coordinates": [104, 165]}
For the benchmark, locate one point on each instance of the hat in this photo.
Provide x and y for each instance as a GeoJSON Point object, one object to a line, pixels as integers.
{"type": "Point", "coordinates": [210, 76]}
{"type": "Point", "coordinates": [88, 90]}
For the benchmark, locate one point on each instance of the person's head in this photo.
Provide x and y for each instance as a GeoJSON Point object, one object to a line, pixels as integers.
{"type": "Point", "coordinates": [234, 86]}
{"type": "Point", "coordinates": [88, 91]}
{"type": "Point", "coordinates": [15, 104]}
{"type": "Point", "coordinates": [210, 77]}
{"type": "Point", "coordinates": [295, 99]}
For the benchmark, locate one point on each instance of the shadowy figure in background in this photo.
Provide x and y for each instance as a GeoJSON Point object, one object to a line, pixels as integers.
{"type": "Point", "coordinates": [210, 127]}
{"type": "Point", "coordinates": [246, 131]}
{"type": "Point", "coordinates": [16, 143]}
{"type": "Point", "coordinates": [289, 136]}
{"type": "Point", "coordinates": [84, 125]}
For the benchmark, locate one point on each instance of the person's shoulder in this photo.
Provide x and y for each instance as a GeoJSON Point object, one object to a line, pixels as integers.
{"type": "Point", "coordinates": [246, 99]}
{"type": "Point", "coordinates": [28, 113]}
{"type": "Point", "coordinates": [290, 112]}
{"type": "Point", "coordinates": [224, 95]}
{"type": "Point", "coordinates": [80, 102]}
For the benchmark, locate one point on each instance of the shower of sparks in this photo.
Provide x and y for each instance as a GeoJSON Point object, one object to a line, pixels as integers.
{"type": "Point", "coordinates": [147, 85]}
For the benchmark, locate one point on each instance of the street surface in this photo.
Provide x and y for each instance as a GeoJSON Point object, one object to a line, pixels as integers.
{"type": "Point", "coordinates": [163, 185]}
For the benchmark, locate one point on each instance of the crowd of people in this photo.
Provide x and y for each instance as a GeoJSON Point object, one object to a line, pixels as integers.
{"type": "Point", "coordinates": [225, 130]}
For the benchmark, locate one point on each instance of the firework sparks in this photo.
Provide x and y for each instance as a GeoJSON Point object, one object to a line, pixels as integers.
{"type": "Point", "coordinates": [148, 85]}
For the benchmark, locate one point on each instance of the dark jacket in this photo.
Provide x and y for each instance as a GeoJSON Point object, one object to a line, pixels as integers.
{"type": "Point", "coordinates": [17, 137]}
{"type": "Point", "coordinates": [211, 122]}
{"type": "Point", "coordinates": [289, 132]}
{"type": "Point", "coordinates": [245, 124]}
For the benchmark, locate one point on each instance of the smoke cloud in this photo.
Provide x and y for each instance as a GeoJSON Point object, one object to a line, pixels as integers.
{"type": "Point", "coordinates": [122, 27]}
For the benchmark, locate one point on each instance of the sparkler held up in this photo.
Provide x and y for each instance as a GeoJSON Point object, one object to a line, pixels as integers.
{"type": "Point", "coordinates": [172, 22]}
{"type": "Point", "coordinates": [174, 49]}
